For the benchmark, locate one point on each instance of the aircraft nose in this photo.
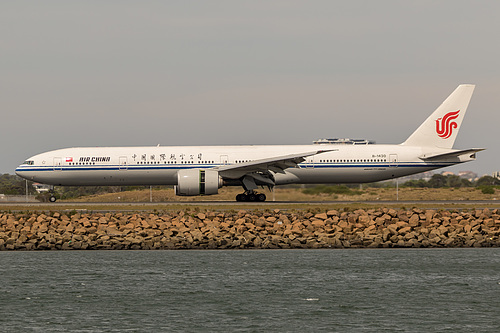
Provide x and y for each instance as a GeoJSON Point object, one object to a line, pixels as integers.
{"type": "Point", "coordinates": [20, 172]}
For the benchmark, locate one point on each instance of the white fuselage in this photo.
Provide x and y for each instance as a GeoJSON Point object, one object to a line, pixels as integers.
{"type": "Point", "coordinates": [159, 165]}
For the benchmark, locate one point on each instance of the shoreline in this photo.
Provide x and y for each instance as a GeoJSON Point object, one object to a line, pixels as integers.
{"type": "Point", "coordinates": [251, 229]}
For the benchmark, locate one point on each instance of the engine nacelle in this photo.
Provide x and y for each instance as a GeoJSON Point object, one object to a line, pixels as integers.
{"type": "Point", "coordinates": [197, 182]}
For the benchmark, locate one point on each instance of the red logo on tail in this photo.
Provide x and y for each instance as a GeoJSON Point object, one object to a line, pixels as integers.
{"type": "Point", "coordinates": [445, 125]}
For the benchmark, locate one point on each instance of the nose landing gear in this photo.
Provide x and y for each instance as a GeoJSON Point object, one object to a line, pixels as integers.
{"type": "Point", "coordinates": [251, 196]}
{"type": "Point", "coordinates": [52, 194]}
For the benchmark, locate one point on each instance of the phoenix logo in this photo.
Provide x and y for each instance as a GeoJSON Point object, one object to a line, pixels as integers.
{"type": "Point", "coordinates": [445, 125]}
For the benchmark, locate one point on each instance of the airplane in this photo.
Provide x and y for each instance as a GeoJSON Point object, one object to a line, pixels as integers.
{"type": "Point", "coordinates": [203, 170]}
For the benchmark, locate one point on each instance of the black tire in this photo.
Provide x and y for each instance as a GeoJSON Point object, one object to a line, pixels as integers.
{"type": "Point", "coordinates": [52, 198]}
{"type": "Point", "coordinates": [252, 197]}
{"type": "Point", "coordinates": [241, 197]}
{"type": "Point", "coordinates": [261, 197]}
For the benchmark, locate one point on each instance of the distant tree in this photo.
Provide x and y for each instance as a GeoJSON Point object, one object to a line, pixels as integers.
{"type": "Point", "coordinates": [14, 185]}
{"type": "Point", "coordinates": [487, 189]}
{"type": "Point", "coordinates": [456, 181]}
{"type": "Point", "coordinates": [487, 180]}
{"type": "Point", "coordinates": [416, 183]}
{"type": "Point", "coordinates": [437, 181]}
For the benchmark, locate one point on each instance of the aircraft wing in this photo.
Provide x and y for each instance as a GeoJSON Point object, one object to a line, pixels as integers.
{"type": "Point", "coordinates": [455, 153]}
{"type": "Point", "coordinates": [276, 164]}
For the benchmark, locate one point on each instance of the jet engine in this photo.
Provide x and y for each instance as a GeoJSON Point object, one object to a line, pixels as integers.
{"type": "Point", "coordinates": [197, 182]}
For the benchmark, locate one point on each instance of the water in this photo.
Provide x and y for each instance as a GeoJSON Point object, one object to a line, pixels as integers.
{"type": "Point", "coordinates": [379, 290]}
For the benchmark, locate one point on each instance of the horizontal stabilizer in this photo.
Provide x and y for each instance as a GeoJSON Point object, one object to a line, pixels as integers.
{"type": "Point", "coordinates": [450, 154]}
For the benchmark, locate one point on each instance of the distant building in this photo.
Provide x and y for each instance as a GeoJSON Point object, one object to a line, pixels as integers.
{"type": "Point", "coordinates": [496, 174]}
{"type": "Point", "coordinates": [469, 175]}
{"type": "Point", "coordinates": [40, 188]}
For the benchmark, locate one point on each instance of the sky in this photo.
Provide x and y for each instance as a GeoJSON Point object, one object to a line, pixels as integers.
{"type": "Point", "coordinates": [139, 73]}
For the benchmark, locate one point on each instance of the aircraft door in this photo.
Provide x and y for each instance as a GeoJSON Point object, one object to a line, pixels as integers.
{"type": "Point", "coordinates": [57, 163]}
{"type": "Point", "coordinates": [393, 160]}
{"type": "Point", "coordinates": [309, 162]}
{"type": "Point", "coordinates": [224, 159]}
{"type": "Point", "coordinates": [123, 163]}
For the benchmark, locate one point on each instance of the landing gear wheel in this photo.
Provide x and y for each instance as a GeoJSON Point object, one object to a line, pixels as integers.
{"type": "Point", "coordinates": [52, 198]}
{"type": "Point", "coordinates": [251, 196]}
{"type": "Point", "coordinates": [241, 197]}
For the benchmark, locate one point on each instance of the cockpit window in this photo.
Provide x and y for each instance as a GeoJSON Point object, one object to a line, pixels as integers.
{"type": "Point", "coordinates": [29, 162]}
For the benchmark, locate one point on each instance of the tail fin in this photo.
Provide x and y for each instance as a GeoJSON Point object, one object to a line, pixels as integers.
{"type": "Point", "coordinates": [441, 128]}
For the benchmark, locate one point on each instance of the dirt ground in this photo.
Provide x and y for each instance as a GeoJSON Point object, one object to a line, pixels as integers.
{"type": "Point", "coordinates": [367, 194]}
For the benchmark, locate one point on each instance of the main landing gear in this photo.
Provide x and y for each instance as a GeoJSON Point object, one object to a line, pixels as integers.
{"type": "Point", "coordinates": [251, 196]}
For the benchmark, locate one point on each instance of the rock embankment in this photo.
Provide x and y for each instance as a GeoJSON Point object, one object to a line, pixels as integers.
{"type": "Point", "coordinates": [372, 228]}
